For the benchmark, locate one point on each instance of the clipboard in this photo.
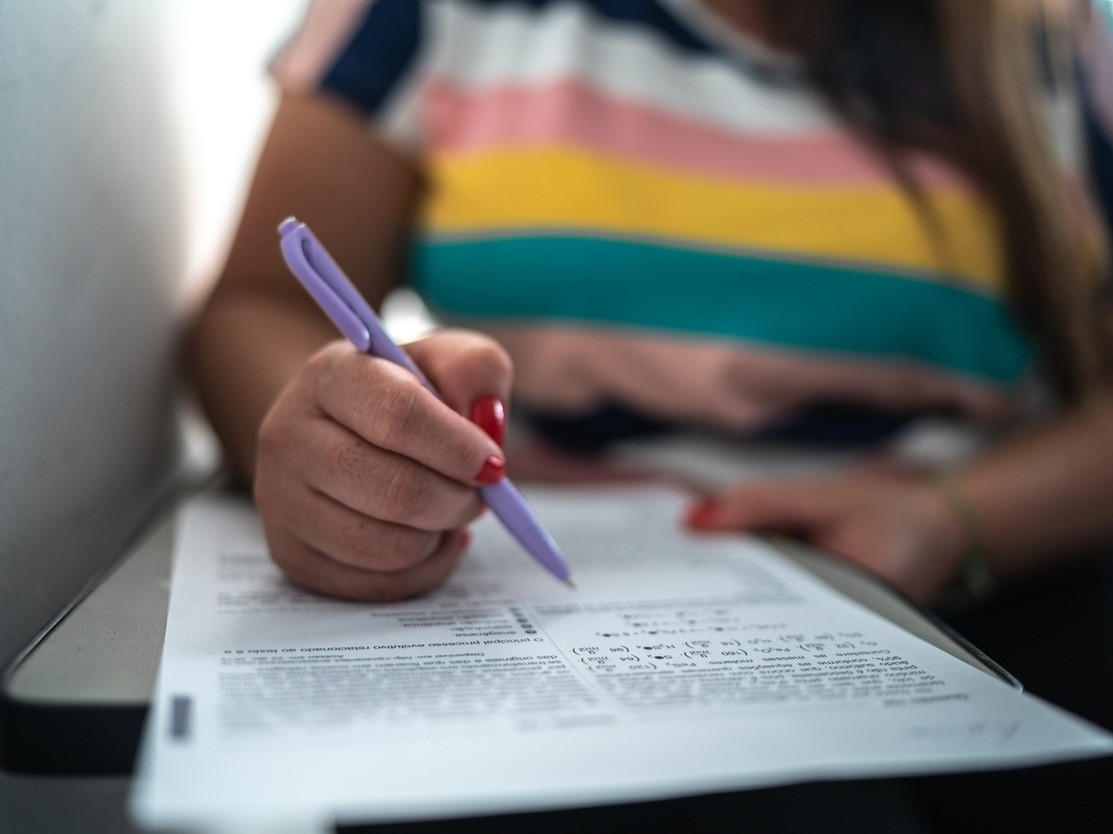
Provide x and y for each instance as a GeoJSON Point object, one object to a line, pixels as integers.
{"type": "Point", "coordinates": [75, 700]}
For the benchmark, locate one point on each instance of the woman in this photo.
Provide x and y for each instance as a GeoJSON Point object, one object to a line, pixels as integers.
{"type": "Point", "coordinates": [730, 213]}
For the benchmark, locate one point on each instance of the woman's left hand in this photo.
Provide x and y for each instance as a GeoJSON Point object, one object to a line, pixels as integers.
{"type": "Point", "coordinates": [899, 528]}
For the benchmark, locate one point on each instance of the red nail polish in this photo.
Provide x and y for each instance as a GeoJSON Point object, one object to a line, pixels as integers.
{"type": "Point", "coordinates": [702, 514]}
{"type": "Point", "coordinates": [493, 471]}
{"type": "Point", "coordinates": [490, 415]}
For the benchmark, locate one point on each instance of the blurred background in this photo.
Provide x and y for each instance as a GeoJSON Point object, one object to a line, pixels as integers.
{"type": "Point", "coordinates": [127, 132]}
{"type": "Point", "coordinates": [126, 141]}
{"type": "Point", "coordinates": [222, 101]}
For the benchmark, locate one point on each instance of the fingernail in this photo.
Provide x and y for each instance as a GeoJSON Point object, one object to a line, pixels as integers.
{"type": "Point", "coordinates": [702, 514]}
{"type": "Point", "coordinates": [492, 472]}
{"type": "Point", "coordinates": [490, 415]}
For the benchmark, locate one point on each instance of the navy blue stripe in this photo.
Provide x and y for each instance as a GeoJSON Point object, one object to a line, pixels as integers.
{"type": "Point", "coordinates": [652, 15]}
{"type": "Point", "coordinates": [656, 17]}
{"type": "Point", "coordinates": [386, 43]}
{"type": "Point", "coordinates": [648, 13]}
{"type": "Point", "coordinates": [378, 55]}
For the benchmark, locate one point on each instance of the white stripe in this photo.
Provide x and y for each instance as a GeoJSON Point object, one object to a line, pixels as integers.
{"type": "Point", "coordinates": [400, 121]}
{"type": "Point", "coordinates": [479, 47]}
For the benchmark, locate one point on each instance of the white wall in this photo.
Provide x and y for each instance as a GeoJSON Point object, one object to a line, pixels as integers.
{"type": "Point", "coordinates": [91, 231]}
{"type": "Point", "coordinates": [223, 100]}
{"type": "Point", "coordinates": [126, 133]}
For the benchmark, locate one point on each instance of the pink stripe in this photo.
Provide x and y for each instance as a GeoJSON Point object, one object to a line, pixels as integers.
{"type": "Point", "coordinates": [569, 113]}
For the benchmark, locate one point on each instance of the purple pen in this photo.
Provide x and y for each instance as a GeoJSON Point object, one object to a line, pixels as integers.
{"type": "Point", "coordinates": [330, 287]}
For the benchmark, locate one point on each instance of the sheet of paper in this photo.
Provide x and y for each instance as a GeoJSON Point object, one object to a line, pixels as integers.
{"type": "Point", "coordinates": [679, 665]}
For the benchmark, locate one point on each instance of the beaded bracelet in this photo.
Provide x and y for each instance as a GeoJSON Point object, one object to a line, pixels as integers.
{"type": "Point", "coordinates": [975, 572]}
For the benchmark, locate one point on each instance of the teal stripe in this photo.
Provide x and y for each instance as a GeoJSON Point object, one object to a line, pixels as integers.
{"type": "Point", "coordinates": [805, 305]}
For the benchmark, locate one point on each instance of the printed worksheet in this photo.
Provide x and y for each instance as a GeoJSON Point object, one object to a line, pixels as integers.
{"type": "Point", "coordinates": [679, 664]}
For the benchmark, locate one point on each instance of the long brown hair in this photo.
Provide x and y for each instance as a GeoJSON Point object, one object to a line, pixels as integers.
{"type": "Point", "coordinates": [967, 79]}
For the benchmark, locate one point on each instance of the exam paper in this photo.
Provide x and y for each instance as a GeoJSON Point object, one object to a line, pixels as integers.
{"type": "Point", "coordinates": [679, 665]}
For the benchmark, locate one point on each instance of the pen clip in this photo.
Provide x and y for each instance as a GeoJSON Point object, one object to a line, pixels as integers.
{"type": "Point", "coordinates": [334, 291]}
{"type": "Point", "coordinates": [324, 281]}
{"type": "Point", "coordinates": [336, 295]}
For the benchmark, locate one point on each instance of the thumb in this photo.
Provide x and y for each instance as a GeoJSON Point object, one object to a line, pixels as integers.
{"type": "Point", "coordinates": [472, 372]}
{"type": "Point", "coordinates": [785, 506]}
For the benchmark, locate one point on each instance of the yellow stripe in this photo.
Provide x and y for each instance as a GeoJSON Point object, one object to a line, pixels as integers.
{"type": "Point", "coordinates": [568, 189]}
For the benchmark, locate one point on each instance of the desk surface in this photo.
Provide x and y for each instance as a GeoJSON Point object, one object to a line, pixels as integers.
{"type": "Point", "coordinates": [104, 653]}
{"type": "Point", "coordinates": [1055, 634]}
{"type": "Point", "coordinates": [107, 649]}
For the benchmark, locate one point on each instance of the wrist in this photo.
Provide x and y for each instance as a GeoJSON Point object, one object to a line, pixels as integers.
{"type": "Point", "coordinates": [967, 546]}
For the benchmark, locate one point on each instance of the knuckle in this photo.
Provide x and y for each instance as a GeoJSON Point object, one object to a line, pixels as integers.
{"type": "Point", "coordinates": [264, 496]}
{"type": "Point", "coordinates": [275, 432]}
{"type": "Point", "coordinates": [299, 573]}
{"type": "Point", "coordinates": [271, 497]}
{"type": "Point", "coordinates": [408, 494]}
{"type": "Point", "coordinates": [329, 371]}
{"type": "Point", "coordinates": [289, 555]}
{"type": "Point", "coordinates": [394, 413]}
{"type": "Point", "coordinates": [402, 547]}
{"type": "Point", "coordinates": [324, 360]}
{"type": "Point", "coordinates": [320, 368]}
{"type": "Point", "coordinates": [347, 458]}
{"type": "Point", "coordinates": [463, 460]}
{"type": "Point", "coordinates": [318, 365]}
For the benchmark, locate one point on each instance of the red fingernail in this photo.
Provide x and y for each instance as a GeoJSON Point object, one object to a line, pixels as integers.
{"type": "Point", "coordinates": [493, 471]}
{"type": "Point", "coordinates": [702, 514]}
{"type": "Point", "coordinates": [490, 415]}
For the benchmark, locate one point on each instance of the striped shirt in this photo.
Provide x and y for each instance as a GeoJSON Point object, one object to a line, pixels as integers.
{"type": "Point", "coordinates": [651, 210]}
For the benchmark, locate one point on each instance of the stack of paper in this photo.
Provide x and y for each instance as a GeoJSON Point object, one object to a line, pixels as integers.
{"type": "Point", "coordinates": [679, 665]}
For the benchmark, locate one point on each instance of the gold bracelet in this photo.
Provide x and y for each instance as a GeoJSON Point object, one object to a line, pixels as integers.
{"type": "Point", "coordinates": [975, 572]}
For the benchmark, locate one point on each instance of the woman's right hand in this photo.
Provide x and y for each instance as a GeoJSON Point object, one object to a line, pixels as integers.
{"type": "Point", "coordinates": [365, 481]}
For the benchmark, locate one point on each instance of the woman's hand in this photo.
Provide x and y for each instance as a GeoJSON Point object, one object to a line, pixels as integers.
{"type": "Point", "coordinates": [365, 481]}
{"type": "Point", "coordinates": [899, 528]}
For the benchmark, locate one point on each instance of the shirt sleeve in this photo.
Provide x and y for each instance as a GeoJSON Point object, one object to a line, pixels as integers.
{"type": "Point", "coordinates": [365, 53]}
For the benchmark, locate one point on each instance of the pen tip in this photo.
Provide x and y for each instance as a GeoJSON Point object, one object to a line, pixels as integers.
{"type": "Point", "coordinates": [569, 582]}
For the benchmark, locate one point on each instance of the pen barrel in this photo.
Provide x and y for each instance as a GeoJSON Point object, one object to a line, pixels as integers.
{"type": "Point", "coordinates": [512, 509]}
{"type": "Point", "coordinates": [334, 292]}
